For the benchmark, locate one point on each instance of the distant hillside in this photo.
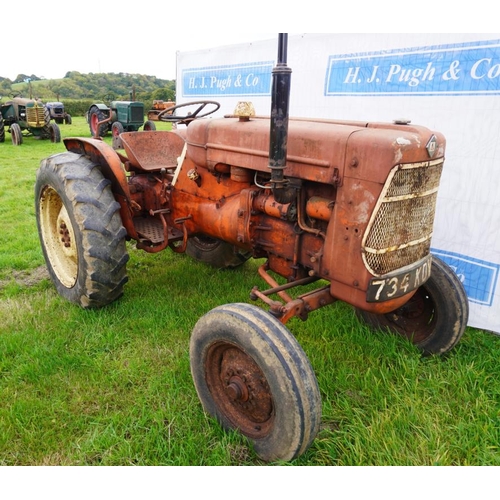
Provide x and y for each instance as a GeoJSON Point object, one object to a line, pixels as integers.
{"type": "Point", "coordinates": [95, 86]}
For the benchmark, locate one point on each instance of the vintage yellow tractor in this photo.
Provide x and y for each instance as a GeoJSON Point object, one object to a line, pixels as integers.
{"type": "Point", "coordinates": [30, 117]}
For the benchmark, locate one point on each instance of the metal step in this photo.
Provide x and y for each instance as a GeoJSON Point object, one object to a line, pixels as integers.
{"type": "Point", "coordinates": [151, 229]}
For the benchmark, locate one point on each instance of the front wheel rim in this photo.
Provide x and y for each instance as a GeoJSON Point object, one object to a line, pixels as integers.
{"type": "Point", "coordinates": [240, 390]}
{"type": "Point", "coordinates": [417, 319]}
{"type": "Point", "coordinates": [58, 237]}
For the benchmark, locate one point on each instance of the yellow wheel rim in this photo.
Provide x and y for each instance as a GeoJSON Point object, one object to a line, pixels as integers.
{"type": "Point", "coordinates": [58, 237]}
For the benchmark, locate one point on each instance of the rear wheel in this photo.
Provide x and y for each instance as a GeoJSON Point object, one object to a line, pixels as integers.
{"type": "Point", "coordinates": [95, 116]}
{"type": "Point", "coordinates": [251, 374]}
{"type": "Point", "coordinates": [80, 230]}
{"type": "Point", "coordinates": [435, 318]}
{"type": "Point", "coordinates": [216, 253]}
{"type": "Point", "coordinates": [67, 120]}
{"type": "Point", "coordinates": [16, 134]}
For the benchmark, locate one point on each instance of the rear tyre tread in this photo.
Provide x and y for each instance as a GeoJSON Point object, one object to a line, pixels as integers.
{"type": "Point", "coordinates": [86, 194]}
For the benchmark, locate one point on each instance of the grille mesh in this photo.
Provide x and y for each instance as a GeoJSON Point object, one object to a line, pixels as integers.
{"type": "Point", "coordinates": [35, 116]}
{"type": "Point", "coordinates": [137, 114]}
{"type": "Point", "coordinates": [400, 232]}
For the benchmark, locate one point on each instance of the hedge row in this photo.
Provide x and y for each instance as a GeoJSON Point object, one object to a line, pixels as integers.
{"type": "Point", "coordinates": [78, 107]}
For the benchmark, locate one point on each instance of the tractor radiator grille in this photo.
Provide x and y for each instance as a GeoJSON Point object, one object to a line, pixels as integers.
{"type": "Point", "coordinates": [400, 230]}
{"type": "Point", "coordinates": [35, 116]}
{"type": "Point", "coordinates": [137, 114]}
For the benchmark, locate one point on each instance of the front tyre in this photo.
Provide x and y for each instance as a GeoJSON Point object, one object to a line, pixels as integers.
{"type": "Point", "coordinates": [54, 132]}
{"type": "Point", "coordinates": [116, 130]}
{"type": "Point", "coordinates": [435, 318]}
{"type": "Point", "coordinates": [251, 374]}
{"type": "Point", "coordinates": [149, 126]}
{"type": "Point", "coordinates": [16, 134]}
{"type": "Point", "coordinates": [80, 230]}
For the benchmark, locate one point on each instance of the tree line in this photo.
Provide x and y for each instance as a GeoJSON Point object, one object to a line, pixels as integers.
{"type": "Point", "coordinates": [91, 87]}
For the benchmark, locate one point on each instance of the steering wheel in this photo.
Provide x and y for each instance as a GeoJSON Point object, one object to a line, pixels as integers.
{"type": "Point", "coordinates": [168, 115]}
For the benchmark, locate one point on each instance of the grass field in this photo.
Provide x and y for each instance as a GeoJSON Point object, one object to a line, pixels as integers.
{"type": "Point", "coordinates": [113, 386]}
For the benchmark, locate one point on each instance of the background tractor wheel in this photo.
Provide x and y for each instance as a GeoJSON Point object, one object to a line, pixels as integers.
{"type": "Point", "coordinates": [435, 318]}
{"type": "Point", "coordinates": [251, 374]}
{"type": "Point", "coordinates": [216, 253]}
{"type": "Point", "coordinates": [149, 125]}
{"type": "Point", "coordinates": [80, 230]}
{"type": "Point", "coordinates": [54, 132]}
{"type": "Point", "coordinates": [16, 134]}
{"type": "Point", "coordinates": [2, 129]}
{"type": "Point", "coordinates": [116, 130]}
{"type": "Point", "coordinates": [95, 116]}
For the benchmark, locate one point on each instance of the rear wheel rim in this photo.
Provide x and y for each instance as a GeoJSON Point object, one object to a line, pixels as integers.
{"type": "Point", "coordinates": [58, 237]}
{"type": "Point", "coordinates": [94, 120]}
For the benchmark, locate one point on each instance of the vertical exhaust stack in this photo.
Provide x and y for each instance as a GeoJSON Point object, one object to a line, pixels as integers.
{"type": "Point", "coordinates": [280, 99]}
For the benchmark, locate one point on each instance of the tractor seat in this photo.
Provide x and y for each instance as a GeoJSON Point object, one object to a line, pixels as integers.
{"type": "Point", "coordinates": [152, 150]}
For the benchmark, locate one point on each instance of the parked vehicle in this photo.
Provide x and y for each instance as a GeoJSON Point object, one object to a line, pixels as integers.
{"type": "Point", "coordinates": [118, 117]}
{"type": "Point", "coordinates": [58, 113]}
{"type": "Point", "coordinates": [23, 116]}
{"type": "Point", "coordinates": [158, 107]}
{"type": "Point", "coordinates": [346, 208]}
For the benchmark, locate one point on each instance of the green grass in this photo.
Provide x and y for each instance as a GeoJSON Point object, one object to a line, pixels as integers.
{"type": "Point", "coordinates": [113, 386]}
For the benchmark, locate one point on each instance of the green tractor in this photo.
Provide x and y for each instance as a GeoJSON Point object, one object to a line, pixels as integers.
{"type": "Point", "coordinates": [118, 117]}
{"type": "Point", "coordinates": [24, 116]}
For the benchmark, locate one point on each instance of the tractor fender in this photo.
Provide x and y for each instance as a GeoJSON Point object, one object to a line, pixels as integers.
{"type": "Point", "coordinates": [100, 105]}
{"type": "Point", "coordinates": [112, 169]}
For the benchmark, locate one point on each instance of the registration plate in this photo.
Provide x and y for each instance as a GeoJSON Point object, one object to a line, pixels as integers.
{"type": "Point", "coordinates": [394, 285]}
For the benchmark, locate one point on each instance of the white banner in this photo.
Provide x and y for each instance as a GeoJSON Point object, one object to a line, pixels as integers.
{"type": "Point", "coordinates": [447, 82]}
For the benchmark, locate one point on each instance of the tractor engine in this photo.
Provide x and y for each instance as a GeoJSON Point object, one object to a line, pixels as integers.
{"type": "Point", "coordinates": [360, 215]}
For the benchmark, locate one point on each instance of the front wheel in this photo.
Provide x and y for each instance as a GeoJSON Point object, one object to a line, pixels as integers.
{"type": "Point", "coordinates": [54, 132]}
{"type": "Point", "coordinates": [80, 230]}
{"type": "Point", "coordinates": [251, 374]}
{"type": "Point", "coordinates": [116, 130]}
{"type": "Point", "coordinates": [149, 125]}
{"type": "Point", "coordinates": [16, 134]}
{"type": "Point", "coordinates": [435, 318]}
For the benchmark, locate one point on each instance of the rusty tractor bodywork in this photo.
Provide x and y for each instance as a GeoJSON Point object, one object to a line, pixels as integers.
{"type": "Point", "coordinates": [159, 106]}
{"type": "Point", "coordinates": [346, 208]}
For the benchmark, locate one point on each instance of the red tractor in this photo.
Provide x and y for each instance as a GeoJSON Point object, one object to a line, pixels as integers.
{"type": "Point", "coordinates": [346, 208]}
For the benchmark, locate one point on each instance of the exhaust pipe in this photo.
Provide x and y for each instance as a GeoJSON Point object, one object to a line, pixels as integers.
{"type": "Point", "coordinates": [280, 99]}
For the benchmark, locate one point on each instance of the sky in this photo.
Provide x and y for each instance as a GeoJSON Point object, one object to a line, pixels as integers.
{"type": "Point", "coordinates": [115, 37]}
{"type": "Point", "coordinates": [148, 53]}
{"type": "Point", "coordinates": [101, 36]}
